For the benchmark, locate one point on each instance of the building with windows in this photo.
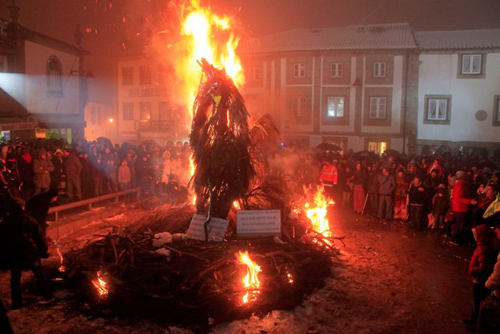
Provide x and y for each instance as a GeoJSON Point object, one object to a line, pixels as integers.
{"type": "Point", "coordinates": [146, 110]}
{"type": "Point", "coordinates": [353, 86]}
{"type": "Point", "coordinates": [459, 89]}
{"type": "Point", "coordinates": [43, 88]}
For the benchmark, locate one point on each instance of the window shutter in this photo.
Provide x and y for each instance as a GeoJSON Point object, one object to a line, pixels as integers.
{"type": "Point", "coordinates": [431, 113]}
{"type": "Point", "coordinates": [476, 64]}
{"type": "Point", "coordinates": [381, 107]}
{"type": "Point", "coordinates": [373, 107]}
{"type": "Point", "coordinates": [465, 63]}
{"type": "Point", "coordinates": [443, 104]}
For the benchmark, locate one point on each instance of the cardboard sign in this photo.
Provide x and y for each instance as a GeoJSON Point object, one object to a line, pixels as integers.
{"type": "Point", "coordinates": [258, 223]}
{"type": "Point", "coordinates": [216, 228]}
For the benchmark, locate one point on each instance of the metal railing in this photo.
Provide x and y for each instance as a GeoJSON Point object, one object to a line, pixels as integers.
{"type": "Point", "coordinates": [88, 202]}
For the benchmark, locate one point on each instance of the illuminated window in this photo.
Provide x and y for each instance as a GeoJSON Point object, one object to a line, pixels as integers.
{"type": "Point", "coordinates": [127, 76]}
{"type": "Point", "coordinates": [300, 106]}
{"type": "Point", "coordinates": [54, 76]}
{"type": "Point", "coordinates": [255, 74]}
{"type": "Point", "coordinates": [336, 70]}
{"type": "Point", "coordinates": [145, 109]}
{"type": "Point", "coordinates": [378, 147]}
{"type": "Point", "coordinates": [299, 70]}
{"type": "Point", "coordinates": [379, 70]}
{"type": "Point", "coordinates": [128, 111]}
{"type": "Point", "coordinates": [378, 106]}
{"type": "Point", "coordinates": [471, 64]}
{"type": "Point", "coordinates": [335, 106]}
{"type": "Point", "coordinates": [145, 75]}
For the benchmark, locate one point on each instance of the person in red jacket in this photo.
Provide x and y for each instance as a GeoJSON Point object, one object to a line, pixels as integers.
{"type": "Point", "coordinates": [481, 267]}
{"type": "Point", "coordinates": [460, 203]}
{"type": "Point", "coordinates": [329, 178]}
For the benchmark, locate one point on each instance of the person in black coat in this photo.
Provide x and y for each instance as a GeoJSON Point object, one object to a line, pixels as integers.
{"type": "Point", "coordinates": [22, 246]}
{"type": "Point", "coordinates": [418, 198]}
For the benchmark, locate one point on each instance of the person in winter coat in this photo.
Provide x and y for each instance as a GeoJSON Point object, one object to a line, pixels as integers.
{"type": "Point", "coordinates": [417, 198]}
{"type": "Point", "coordinates": [460, 204]}
{"type": "Point", "coordinates": [110, 167]}
{"type": "Point", "coordinates": [329, 178]}
{"type": "Point", "coordinates": [42, 166]}
{"type": "Point", "coordinates": [124, 176]}
{"type": "Point", "coordinates": [143, 173]}
{"type": "Point", "coordinates": [440, 206]}
{"type": "Point", "coordinates": [59, 174]}
{"type": "Point", "coordinates": [25, 165]}
{"type": "Point", "coordinates": [73, 170]}
{"type": "Point", "coordinates": [481, 267]}
{"type": "Point", "coordinates": [373, 189]}
{"type": "Point", "coordinates": [360, 182]}
{"type": "Point", "coordinates": [387, 184]}
{"type": "Point", "coordinates": [22, 246]}
{"type": "Point", "coordinates": [167, 170]}
{"type": "Point", "coordinates": [95, 158]}
{"type": "Point", "coordinates": [400, 206]}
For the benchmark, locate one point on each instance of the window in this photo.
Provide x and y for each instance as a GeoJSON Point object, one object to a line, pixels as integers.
{"type": "Point", "coordinates": [378, 147]}
{"type": "Point", "coordinates": [299, 70]}
{"type": "Point", "coordinates": [127, 76]}
{"type": "Point", "coordinates": [335, 106]}
{"type": "Point", "coordinates": [255, 74]}
{"type": "Point", "coordinates": [337, 70]}
{"type": "Point", "coordinates": [54, 73]}
{"type": "Point", "coordinates": [145, 109]}
{"type": "Point", "coordinates": [93, 116]}
{"type": "Point", "coordinates": [471, 64]}
{"type": "Point", "coordinates": [379, 70]}
{"type": "Point", "coordinates": [165, 113]}
{"type": "Point", "coordinates": [300, 106]}
{"type": "Point", "coordinates": [128, 111]}
{"type": "Point", "coordinates": [378, 105]}
{"type": "Point", "coordinates": [437, 109]}
{"type": "Point", "coordinates": [145, 75]}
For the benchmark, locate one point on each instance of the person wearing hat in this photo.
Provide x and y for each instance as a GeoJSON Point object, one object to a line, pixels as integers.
{"type": "Point", "coordinates": [42, 167]}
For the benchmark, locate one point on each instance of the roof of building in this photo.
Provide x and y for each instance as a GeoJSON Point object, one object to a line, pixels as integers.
{"type": "Point", "coordinates": [458, 39]}
{"type": "Point", "coordinates": [360, 37]}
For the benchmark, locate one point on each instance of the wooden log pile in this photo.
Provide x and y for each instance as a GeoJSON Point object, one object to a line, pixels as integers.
{"type": "Point", "coordinates": [197, 281]}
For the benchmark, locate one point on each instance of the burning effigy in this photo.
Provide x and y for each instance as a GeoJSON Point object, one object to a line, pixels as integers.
{"type": "Point", "coordinates": [154, 268]}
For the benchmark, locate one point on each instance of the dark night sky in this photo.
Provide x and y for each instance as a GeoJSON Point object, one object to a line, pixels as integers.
{"type": "Point", "coordinates": [58, 18]}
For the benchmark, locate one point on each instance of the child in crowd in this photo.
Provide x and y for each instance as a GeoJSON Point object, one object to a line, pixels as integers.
{"type": "Point", "coordinates": [124, 176]}
{"type": "Point", "coordinates": [440, 204]}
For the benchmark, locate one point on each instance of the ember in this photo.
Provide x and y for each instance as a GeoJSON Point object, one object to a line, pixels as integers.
{"type": "Point", "coordinates": [101, 285]}
{"type": "Point", "coordinates": [251, 281]}
{"type": "Point", "coordinates": [61, 268]}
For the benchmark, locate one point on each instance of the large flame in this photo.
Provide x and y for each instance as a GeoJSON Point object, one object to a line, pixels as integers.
{"type": "Point", "coordinates": [251, 281]}
{"type": "Point", "coordinates": [317, 213]}
{"type": "Point", "coordinates": [210, 36]}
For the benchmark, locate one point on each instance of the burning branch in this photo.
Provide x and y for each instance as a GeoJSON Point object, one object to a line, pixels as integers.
{"type": "Point", "coordinates": [251, 281]}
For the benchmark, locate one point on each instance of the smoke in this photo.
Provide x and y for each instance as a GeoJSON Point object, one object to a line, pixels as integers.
{"type": "Point", "coordinates": [14, 85]}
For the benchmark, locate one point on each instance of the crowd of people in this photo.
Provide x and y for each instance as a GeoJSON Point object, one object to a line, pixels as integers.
{"type": "Point", "coordinates": [89, 169]}
{"type": "Point", "coordinates": [455, 195]}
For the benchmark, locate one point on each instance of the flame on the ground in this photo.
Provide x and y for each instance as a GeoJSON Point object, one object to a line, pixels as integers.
{"type": "Point", "coordinates": [206, 35]}
{"type": "Point", "coordinates": [317, 214]}
{"type": "Point", "coordinates": [101, 285]}
{"type": "Point", "coordinates": [251, 281]}
{"type": "Point", "coordinates": [61, 268]}
{"type": "Point", "coordinates": [192, 195]}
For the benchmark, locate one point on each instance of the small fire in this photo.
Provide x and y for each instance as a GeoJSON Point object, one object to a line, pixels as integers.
{"type": "Point", "coordinates": [318, 214]}
{"type": "Point", "coordinates": [251, 281]}
{"type": "Point", "coordinates": [62, 268]}
{"type": "Point", "coordinates": [236, 205]}
{"type": "Point", "coordinates": [101, 285]}
{"type": "Point", "coordinates": [191, 173]}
